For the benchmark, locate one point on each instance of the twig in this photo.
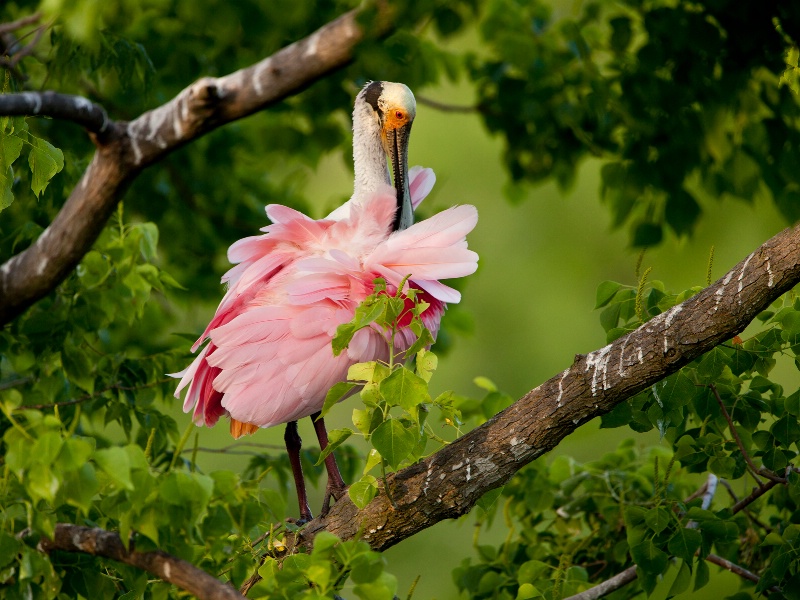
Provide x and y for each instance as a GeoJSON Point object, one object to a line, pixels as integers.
{"type": "Point", "coordinates": [444, 107]}
{"type": "Point", "coordinates": [760, 471]}
{"type": "Point", "coordinates": [11, 383]}
{"type": "Point", "coordinates": [609, 585]}
{"type": "Point", "coordinates": [99, 542]}
{"type": "Point", "coordinates": [97, 394]}
{"type": "Point", "coordinates": [755, 495]}
{"type": "Point", "coordinates": [19, 23]}
{"type": "Point", "coordinates": [740, 571]}
{"type": "Point", "coordinates": [26, 50]}
{"type": "Point", "coordinates": [231, 449]}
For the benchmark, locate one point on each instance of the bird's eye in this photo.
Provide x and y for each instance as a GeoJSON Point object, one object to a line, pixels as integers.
{"type": "Point", "coordinates": [399, 115]}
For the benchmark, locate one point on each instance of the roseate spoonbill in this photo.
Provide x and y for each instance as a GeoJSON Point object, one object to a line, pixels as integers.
{"type": "Point", "coordinates": [269, 358]}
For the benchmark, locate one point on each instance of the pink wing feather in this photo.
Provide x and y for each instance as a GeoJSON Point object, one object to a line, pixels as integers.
{"type": "Point", "coordinates": [269, 359]}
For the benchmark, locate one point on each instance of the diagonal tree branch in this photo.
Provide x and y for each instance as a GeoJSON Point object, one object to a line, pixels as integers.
{"type": "Point", "coordinates": [99, 542]}
{"type": "Point", "coordinates": [448, 483]}
{"type": "Point", "coordinates": [124, 149]}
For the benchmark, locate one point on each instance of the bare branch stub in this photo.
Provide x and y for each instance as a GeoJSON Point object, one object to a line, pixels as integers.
{"type": "Point", "coordinates": [99, 542]}
{"type": "Point", "coordinates": [448, 483]}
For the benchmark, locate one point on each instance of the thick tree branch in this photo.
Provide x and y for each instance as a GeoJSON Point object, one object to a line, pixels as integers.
{"type": "Point", "coordinates": [77, 109]}
{"type": "Point", "coordinates": [99, 542]}
{"type": "Point", "coordinates": [124, 149]}
{"type": "Point", "coordinates": [448, 483]}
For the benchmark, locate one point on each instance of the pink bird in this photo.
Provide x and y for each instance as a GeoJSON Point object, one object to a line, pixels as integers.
{"type": "Point", "coordinates": [269, 358]}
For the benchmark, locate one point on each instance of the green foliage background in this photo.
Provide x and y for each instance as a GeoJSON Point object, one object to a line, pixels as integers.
{"type": "Point", "coordinates": [677, 140]}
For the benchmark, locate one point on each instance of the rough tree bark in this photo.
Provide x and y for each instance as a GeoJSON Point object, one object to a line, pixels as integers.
{"type": "Point", "coordinates": [98, 542]}
{"type": "Point", "coordinates": [124, 149]}
{"type": "Point", "coordinates": [447, 484]}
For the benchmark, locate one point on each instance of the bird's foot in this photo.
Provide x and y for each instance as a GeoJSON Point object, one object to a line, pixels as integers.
{"type": "Point", "coordinates": [332, 492]}
{"type": "Point", "coordinates": [301, 521]}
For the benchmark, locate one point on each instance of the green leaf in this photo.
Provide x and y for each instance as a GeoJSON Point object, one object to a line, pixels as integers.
{"type": "Point", "coordinates": [675, 391]}
{"type": "Point", "coordinates": [394, 441]}
{"type": "Point", "coordinates": [527, 590]}
{"type": "Point", "coordinates": [44, 160]}
{"type": "Point", "coordinates": [336, 394]}
{"type": "Point", "coordinates": [488, 500]}
{"type": "Point", "coordinates": [658, 518]}
{"type": "Point", "coordinates": [384, 587]}
{"type": "Point", "coordinates": [405, 389]}
{"type": "Point", "coordinates": [724, 466]}
{"type": "Point", "coordinates": [701, 575]}
{"type": "Point", "coordinates": [94, 269]}
{"type": "Point", "coordinates": [485, 383]}
{"type": "Point", "coordinates": [336, 438]}
{"type": "Point", "coordinates": [42, 483]}
{"type": "Point", "coordinates": [363, 491]}
{"type": "Point", "coordinates": [426, 363]}
{"type": "Point", "coordinates": [78, 366]}
{"type": "Point", "coordinates": [423, 341]}
{"type": "Point", "coordinates": [10, 148]}
{"type": "Point", "coordinates": [605, 292]}
{"type": "Point", "coordinates": [647, 556]}
{"type": "Point", "coordinates": [367, 312]}
{"type": "Point", "coordinates": [682, 580]}
{"type": "Point", "coordinates": [786, 430]}
{"type": "Point", "coordinates": [148, 243]}
{"type": "Point", "coordinates": [366, 567]}
{"type": "Point", "coordinates": [115, 463]}
{"type": "Point", "coordinates": [684, 543]}
{"type": "Point", "coordinates": [372, 371]}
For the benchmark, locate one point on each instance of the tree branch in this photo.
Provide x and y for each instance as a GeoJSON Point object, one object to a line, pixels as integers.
{"type": "Point", "coordinates": [756, 470]}
{"type": "Point", "coordinates": [20, 23]}
{"type": "Point", "coordinates": [124, 149]}
{"type": "Point", "coordinates": [99, 542]}
{"type": "Point", "coordinates": [612, 584]}
{"type": "Point", "coordinates": [448, 483]}
{"type": "Point", "coordinates": [67, 107]}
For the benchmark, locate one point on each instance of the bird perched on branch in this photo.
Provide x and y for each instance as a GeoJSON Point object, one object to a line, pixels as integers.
{"type": "Point", "coordinates": [269, 358]}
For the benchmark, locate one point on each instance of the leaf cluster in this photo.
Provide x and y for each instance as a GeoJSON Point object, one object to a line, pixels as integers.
{"type": "Point", "coordinates": [682, 100]}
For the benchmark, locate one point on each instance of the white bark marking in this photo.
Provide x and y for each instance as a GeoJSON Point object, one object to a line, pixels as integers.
{"type": "Point", "coordinates": [670, 315]}
{"type": "Point", "coordinates": [769, 272]}
{"type": "Point", "coordinates": [167, 571]}
{"type": "Point", "coordinates": [35, 99]}
{"type": "Point", "coordinates": [622, 356]}
{"type": "Point", "coordinates": [741, 276]}
{"type": "Point", "coordinates": [560, 388]}
{"type": "Point", "coordinates": [259, 71]}
{"type": "Point", "coordinates": [133, 134]}
{"type": "Point", "coordinates": [718, 294]}
{"type": "Point", "coordinates": [82, 104]}
{"type": "Point", "coordinates": [313, 44]}
{"type": "Point", "coordinates": [598, 360]}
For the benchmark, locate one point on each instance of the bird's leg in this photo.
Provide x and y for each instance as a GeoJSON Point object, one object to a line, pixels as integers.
{"type": "Point", "coordinates": [293, 445]}
{"type": "Point", "coordinates": [336, 486]}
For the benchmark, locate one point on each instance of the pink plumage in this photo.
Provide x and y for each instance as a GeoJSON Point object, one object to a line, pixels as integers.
{"type": "Point", "coordinates": [269, 359]}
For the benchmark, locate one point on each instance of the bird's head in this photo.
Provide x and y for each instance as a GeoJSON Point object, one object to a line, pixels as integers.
{"type": "Point", "coordinates": [394, 108]}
